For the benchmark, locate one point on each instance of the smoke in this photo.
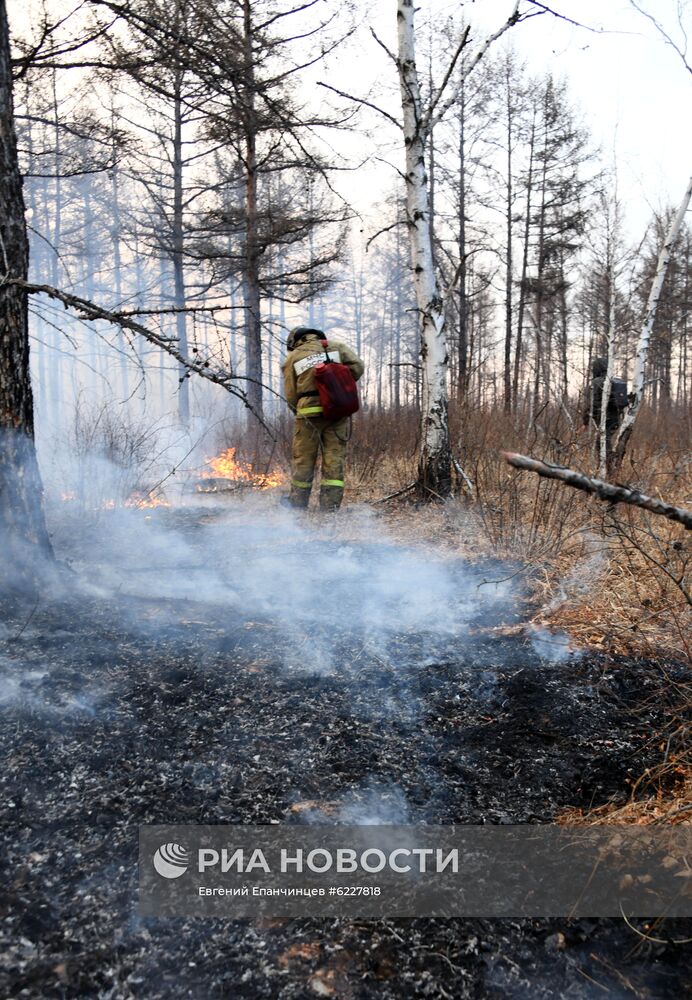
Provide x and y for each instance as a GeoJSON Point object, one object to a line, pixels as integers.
{"type": "Point", "coordinates": [17, 686]}
{"type": "Point", "coordinates": [36, 691]}
{"type": "Point", "coordinates": [582, 577]}
{"type": "Point", "coordinates": [378, 804]}
{"type": "Point", "coordinates": [553, 645]}
{"type": "Point", "coordinates": [334, 594]}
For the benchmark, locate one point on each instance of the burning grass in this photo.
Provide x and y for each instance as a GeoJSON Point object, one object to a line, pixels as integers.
{"type": "Point", "coordinates": [224, 472]}
{"type": "Point", "coordinates": [227, 467]}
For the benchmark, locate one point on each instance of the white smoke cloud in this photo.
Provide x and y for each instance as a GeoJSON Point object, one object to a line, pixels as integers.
{"type": "Point", "coordinates": [316, 580]}
{"type": "Point", "coordinates": [553, 645]}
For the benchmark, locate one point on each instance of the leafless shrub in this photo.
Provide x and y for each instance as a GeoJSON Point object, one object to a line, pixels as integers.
{"type": "Point", "coordinates": [108, 454]}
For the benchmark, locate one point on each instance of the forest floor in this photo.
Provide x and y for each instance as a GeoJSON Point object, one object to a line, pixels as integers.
{"type": "Point", "coordinates": [234, 663]}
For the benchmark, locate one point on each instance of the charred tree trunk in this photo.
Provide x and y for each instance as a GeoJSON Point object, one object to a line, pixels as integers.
{"type": "Point", "coordinates": [23, 531]}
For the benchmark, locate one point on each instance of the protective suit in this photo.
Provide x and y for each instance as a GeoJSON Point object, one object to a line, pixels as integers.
{"type": "Point", "coordinates": [313, 434]}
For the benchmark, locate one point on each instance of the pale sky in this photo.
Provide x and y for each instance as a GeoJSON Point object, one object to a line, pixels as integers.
{"type": "Point", "coordinates": [633, 90]}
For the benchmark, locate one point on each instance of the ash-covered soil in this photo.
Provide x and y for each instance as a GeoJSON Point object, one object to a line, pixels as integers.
{"type": "Point", "coordinates": [243, 706]}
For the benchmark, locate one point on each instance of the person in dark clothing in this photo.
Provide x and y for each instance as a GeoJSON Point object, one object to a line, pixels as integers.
{"type": "Point", "coordinates": [593, 410]}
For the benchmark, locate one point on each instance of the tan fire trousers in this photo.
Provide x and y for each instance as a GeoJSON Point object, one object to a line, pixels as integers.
{"type": "Point", "coordinates": [313, 436]}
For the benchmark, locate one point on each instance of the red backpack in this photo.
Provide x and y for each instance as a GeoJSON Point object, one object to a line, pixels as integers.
{"type": "Point", "coordinates": [336, 387]}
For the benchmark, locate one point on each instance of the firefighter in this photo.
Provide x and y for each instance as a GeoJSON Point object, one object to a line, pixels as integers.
{"type": "Point", "coordinates": [313, 433]}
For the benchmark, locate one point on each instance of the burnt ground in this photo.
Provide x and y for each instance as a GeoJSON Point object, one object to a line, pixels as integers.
{"type": "Point", "coordinates": [130, 709]}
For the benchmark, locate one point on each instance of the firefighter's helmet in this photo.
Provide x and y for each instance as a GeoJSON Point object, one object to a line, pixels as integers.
{"type": "Point", "coordinates": [297, 334]}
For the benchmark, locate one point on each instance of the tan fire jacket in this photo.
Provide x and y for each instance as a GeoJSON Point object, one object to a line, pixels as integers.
{"type": "Point", "coordinates": [299, 372]}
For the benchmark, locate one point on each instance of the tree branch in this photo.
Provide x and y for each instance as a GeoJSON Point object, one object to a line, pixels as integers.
{"type": "Point", "coordinates": [383, 46]}
{"type": "Point", "coordinates": [604, 491]}
{"type": "Point", "coordinates": [544, 9]}
{"type": "Point", "coordinates": [90, 311]}
{"type": "Point", "coordinates": [664, 34]}
{"type": "Point", "coordinates": [361, 100]}
{"type": "Point", "coordinates": [430, 119]}
{"type": "Point", "coordinates": [450, 69]}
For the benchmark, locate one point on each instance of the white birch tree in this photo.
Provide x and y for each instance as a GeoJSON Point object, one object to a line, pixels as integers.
{"type": "Point", "coordinates": [637, 395]}
{"type": "Point", "coordinates": [419, 119]}
{"type": "Point", "coordinates": [604, 458]}
{"type": "Point", "coordinates": [612, 215]}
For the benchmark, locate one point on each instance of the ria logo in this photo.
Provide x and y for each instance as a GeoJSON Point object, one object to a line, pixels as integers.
{"type": "Point", "coordinates": [171, 860]}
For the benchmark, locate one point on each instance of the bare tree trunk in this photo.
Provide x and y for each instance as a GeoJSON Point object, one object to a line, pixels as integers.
{"type": "Point", "coordinates": [164, 295]}
{"type": "Point", "coordinates": [462, 380]}
{"type": "Point", "coordinates": [251, 286]}
{"type": "Point", "coordinates": [564, 373]}
{"type": "Point", "coordinates": [95, 346]}
{"type": "Point", "coordinates": [682, 376]}
{"type": "Point", "coordinates": [57, 366]}
{"type": "Point", "coordinates": [23, 533]}
{"type": "Point", "coordinates": [41, 405]}
{"type": "Point", "coordinates": [397, 325]}
{"type": "Point", "coordinates": [509, 269]}
{"type": "Point", "coordinates": [116, 236]}
{"type": "Point", "coordinates": [604, 444]}
{"type": "Point", "coordinates": [627, 425]}
{"type": "Point", "coordinates": [232, 289]}
{"type": "Point", "coordinates": [435, 460]}
{"type": "Point", "coordinates": [542, 366]}
{"type": "Point", "coordinates": [178, 249]}
{"type": "Point", "coordinates": [380, 349]}
{"type": "Point", "coordinates": [269, 374]}
{"type": "Point", "coordinates": [521, 310]}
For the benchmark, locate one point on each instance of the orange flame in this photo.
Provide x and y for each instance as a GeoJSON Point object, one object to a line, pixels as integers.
{"type": "Point", "coordinates": [225, 466]}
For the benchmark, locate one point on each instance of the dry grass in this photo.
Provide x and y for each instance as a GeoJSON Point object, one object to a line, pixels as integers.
{"type": "Point", "coordinates": [615, 578]}
{"type": "Point", "coordinates": [663, 796]}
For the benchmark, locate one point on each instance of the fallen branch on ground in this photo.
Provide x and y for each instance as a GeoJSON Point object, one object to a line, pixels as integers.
{"type": "Point", "coordinates": [399, 493]}
{"type": "Point", "coordinates": [601, 489]}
